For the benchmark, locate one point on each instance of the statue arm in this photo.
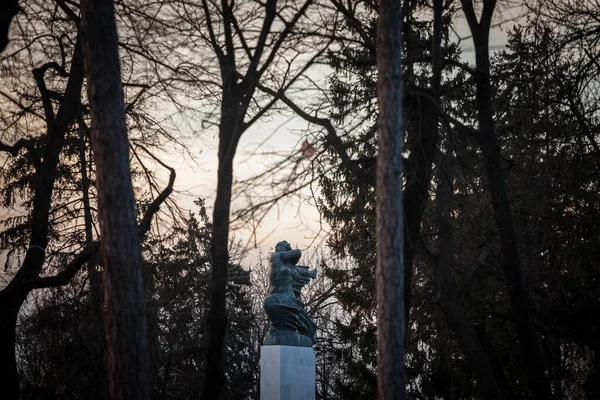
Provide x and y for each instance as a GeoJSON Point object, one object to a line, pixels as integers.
{"type": "Point", "coordinates": [305, 271]}
{"type": "Point", "coordinates": [291, 255]}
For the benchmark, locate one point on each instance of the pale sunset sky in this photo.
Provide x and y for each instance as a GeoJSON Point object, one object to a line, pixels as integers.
{"type": "Point", "coordinates": [295, 221]}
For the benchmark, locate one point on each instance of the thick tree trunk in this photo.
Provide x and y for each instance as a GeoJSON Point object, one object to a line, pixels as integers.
{"type": "Point", "coordinates": [9, 311]}
{"type": "Point", "coordinates": [229, 133]}
{"type": "Point", "coordinates": [418, 180]}
{"type": "Point", "coordinates": [126, 330]}
{"type": "Point", "coordinates": [389, 273]}
{"type": "Point", "coordinates": [95, 278]}
{"type": "Point", "coordinates": [13, 296]}
{"type": "Point", "coordinates": [420, 160]}
{"type": "Point", "coordinates": [454, 313]}
{"type": "Point", "coordinates": [238, 92]}
{"type": "Point", "coordinates": [96, 323]}
{"type": "Point", "coordinates": [511, 263]}
{"type": "Point", "coordinates": [482, 337]}
{"type": "Point", "coordinates": [519, 301]}
{"type": "Point", "coordinates": [8, 10]}
{"type": "Point", "coordinates": [217, 317]}
{"type": "Point", "coordinates": [447, 380]}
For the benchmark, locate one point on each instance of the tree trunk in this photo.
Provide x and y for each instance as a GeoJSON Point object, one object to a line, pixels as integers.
{"type": "Point", "coordinates": [420, 160]}
{"type": "Point", "coordinates": [519, 301]}
{"type": "Point", "coordinates": [126, 330]}
{"type": "Point", "coordinates": [447, 381]}
{"type": "Point", "coordinates": [389, 273]}
{"type": "Point", "coordinates": [14, 294]}
{"type": "Point", "coordinates": [93, 273]}
{"type": "Point", "coordinates": [8, 10]}
{"type": "Point", "coordinates": [217, 317]}
{"type": "Point", "coordinates": [229, 133]}
{"type": "Point", "coordinates": [454, 313]}
{"type": "Point", "coordinates": [96, 323]}
{"type": "Point", "coordinates": [238, 91]}
{"type": "Point", "coordinates": [9, 311]}
{"type": "Point", "coordinates": [482, 337]}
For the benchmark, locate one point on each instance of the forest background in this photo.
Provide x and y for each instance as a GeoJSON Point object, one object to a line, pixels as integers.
{"type": "Point", "coordinates": [502, 268]}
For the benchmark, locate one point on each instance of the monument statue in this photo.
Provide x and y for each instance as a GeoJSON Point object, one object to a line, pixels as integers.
{"type": "Point", "coordinates": [290, 324]}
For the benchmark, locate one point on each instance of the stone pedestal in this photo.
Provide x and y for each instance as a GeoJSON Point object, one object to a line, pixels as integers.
{"type": "Point", "coordinates": [287, 373]}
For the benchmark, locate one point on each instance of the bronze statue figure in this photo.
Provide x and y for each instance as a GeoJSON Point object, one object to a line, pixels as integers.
{"type": "Point", "coordinates": [290, 324]}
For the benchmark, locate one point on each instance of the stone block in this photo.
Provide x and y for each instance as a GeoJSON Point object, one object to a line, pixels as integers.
{"type": "Point", "coordinates": [287, 373]}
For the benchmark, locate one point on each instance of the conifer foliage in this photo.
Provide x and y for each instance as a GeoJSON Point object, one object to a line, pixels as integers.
{"type": "Point", "coordinates": [456, 182]}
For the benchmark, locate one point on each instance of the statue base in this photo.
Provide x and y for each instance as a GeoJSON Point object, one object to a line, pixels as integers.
{"type": "Point", "coordinates": [287, 338]}
{"type": "Point", "coordinates": [287, 373]}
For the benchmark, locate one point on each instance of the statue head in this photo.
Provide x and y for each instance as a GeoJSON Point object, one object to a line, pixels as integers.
{"type": "Point", "coordinates": [282, 246]}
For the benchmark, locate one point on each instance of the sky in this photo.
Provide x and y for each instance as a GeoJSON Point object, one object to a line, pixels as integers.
{"type": "Point", "coordinates": [297, 220]}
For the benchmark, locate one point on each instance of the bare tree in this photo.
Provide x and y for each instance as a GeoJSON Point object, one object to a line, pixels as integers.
{"type": "Point", "coordinates": [423, 101]}
{"type": "Point", "coordinates": [389, 274]}
{"type": "Point", "coordinates": [126, 330]}
{"type": "Point", "coordinates": [519, 301]}
{"type": "Point", "coordinates": [246, 39]}
{"type": "Point", "coordinates": [43, 133]}
{"type": "Point", "coordinates": [26, 279]}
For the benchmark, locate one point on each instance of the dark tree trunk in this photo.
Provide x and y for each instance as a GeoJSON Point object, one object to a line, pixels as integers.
{"type": "Point", "coordinates": [454, 313]}
{"type": "Point", "coordinates": [238, 90]}
{"type": "Point", "coordinates": [93, 273]}
{"type": "Point", "coordinates": [8, 10]}
{"type": "Point", "coordinates": [96, 322]}
{"type": "Point", "coordinates": [511, 263]}
{"type": "Point", "coordinates": [481, 332]}
{"type": "Point", "coordinates": [217, 317]}
{"type": "Point", "coordinates": [10, 304]}
{"type": "Point", "coordinates": [446, 377]}
{"type": "Point", "coordinates": [420, 160]}
{"type": "Point", "coordinates": [229, 133]}
{"type": "Point", "coordinates": [9, 311]}
{"type": "Point", "coordinates": [389, 273]}
{"type": "Point", "coordinates": [15, 293]}
{"type": "Point", "coordinates": [125, 315]}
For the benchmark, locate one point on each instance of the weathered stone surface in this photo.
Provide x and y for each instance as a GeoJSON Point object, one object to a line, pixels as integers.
{"type": "Point", "coordinates": [287, 373]}
{"type": "Point", "coordinates": [289, 338]}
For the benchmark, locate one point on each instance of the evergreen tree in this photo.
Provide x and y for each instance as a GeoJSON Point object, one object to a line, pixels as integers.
{"type": "Point", "coordinates": [60, 355]}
